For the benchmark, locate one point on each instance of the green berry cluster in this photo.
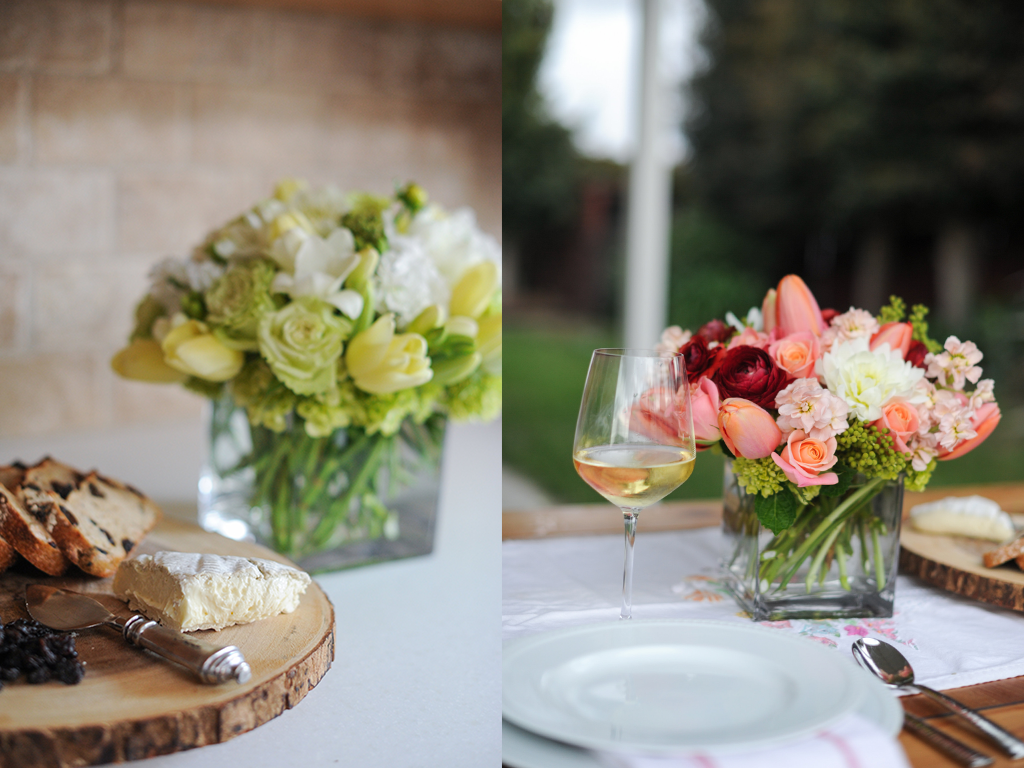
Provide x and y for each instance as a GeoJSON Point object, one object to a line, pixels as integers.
{"type": "Point", "coordinates": [759, 476]}
{"type": "Point", "coordinates": [870, 450]}
{"type": "Point", "coordinates": [894, 312]}
{"type": "Point", "coordinates": [917, 319]}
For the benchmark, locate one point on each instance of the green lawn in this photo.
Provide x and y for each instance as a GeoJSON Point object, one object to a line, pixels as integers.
{"type": "Point", "coordinates": [544, 371]}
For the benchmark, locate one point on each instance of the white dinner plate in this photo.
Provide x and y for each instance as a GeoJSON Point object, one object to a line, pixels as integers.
{"type": "Point", "coordinates": [522, 749]}
{"type": "Point", "coordinates": [673, 686]}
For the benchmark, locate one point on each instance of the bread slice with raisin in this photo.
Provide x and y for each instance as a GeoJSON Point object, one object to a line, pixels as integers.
{"type": "Point", "coordinates": [8, 555]}
{"type": "Point", "coordinates": [23, 531]}
{"type": "Point", "coordinates": [1004, 554]}
{"type": "Point", "coordinates": [96, 520]}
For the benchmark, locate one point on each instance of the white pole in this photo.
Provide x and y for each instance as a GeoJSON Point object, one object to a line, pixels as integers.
{"type": "Point", "coordinates": [650, 198]}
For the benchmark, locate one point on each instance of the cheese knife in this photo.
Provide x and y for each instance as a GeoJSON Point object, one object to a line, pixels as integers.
{"type": "Point", "coordinates": [64, 610]}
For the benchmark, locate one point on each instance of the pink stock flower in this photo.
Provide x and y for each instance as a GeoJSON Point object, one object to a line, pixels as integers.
{"type": "Point", "coordinates": [902, 419]}
{"type": "Point", "coordinates": [952, 414]}
{"type": "Point", "coordinates": [672, 340]}
{"type": "Point", "coordinates": [704, 403]}
{"type": "Point", "coordinates": [897, 335]}
{"type": "Point", "coordinates": [748, 429]}
{"type": "Point", "coordinates": [985, 420]}
{"type": "Point", "coordinates": [959, 362]}
{"type": "Point", "coordinates": [796, 353]}
{"type": "Point", "coordinates": [807, 406]}
{"type": "Point", "coordinates": [748, 337]}
{"type": "Point", "coordinates": [982, 393]}
{"type": "Point", "coordinates": [855, 324]}
{"type": "Point", "coordinates": [923, 450]}
{"type": "Point", "coordinates": [796, 308]}
{"type": "Point", "coordinates": [804, 460]}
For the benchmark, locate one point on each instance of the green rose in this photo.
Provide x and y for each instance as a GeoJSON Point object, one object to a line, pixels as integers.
{"type": "Point", "coordinates": [237, 301]}
{"type": "Point", "coordinates": [302, 343]}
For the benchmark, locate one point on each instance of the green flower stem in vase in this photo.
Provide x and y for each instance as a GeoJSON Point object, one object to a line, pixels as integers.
{"type": "Point", "coordinates": [836, 559]}
{"type": "Point", "coordinates": [326, 502]}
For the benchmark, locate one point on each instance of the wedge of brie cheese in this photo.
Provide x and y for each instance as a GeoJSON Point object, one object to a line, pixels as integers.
{"type": "Point", "coordinates": [972, 516]}
{"type": "Point", "coordinates": [194, 591]}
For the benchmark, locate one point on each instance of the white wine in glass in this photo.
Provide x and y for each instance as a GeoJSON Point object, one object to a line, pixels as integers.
{"type": "Point", "coordinates": [634, 437]}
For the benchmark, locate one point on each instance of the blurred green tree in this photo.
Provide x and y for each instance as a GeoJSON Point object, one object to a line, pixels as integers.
{"type": "Point", "coordinates": [539, 165]}
{"type": "Point", "coordinates": [860, 114]}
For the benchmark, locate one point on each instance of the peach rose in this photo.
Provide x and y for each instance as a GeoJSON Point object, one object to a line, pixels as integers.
{"type": "Point", "coordinates": [748, 429]}
{"type": "Point", "coordinates": [804, 460]}
{"type": "Point", "coordinates": [902, 420]}
{"type": "Point", "coordinates": [796, 354]}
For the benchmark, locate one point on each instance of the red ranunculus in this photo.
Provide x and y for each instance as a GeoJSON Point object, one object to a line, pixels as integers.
{"type": "Point", "coordinates": [828, 314]}
{"type": "Point", "coordinates": [716, 330]}
{"type": "Point", "coordinates": [916, 354]}
{"type": "Point", "coordinates": [749, 373]}
{"type": "Point", "coordinates": [699, 360]}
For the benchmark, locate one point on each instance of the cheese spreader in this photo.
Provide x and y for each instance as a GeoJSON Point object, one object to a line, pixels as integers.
{"type": "Point", "coordinates": [64, 610]}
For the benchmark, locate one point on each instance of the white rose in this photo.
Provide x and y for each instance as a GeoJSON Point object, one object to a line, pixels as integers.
{"type": "Point", "coordinates": [868, 379]}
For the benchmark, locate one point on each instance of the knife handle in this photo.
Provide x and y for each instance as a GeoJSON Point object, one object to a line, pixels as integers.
{"type": "Point", "coordinates": [954, 748]}
{"type": "Point", "coordinates": [209, 662]}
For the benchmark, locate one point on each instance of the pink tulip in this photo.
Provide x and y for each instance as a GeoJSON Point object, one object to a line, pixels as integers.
{"type": "Point", "coordinates": [902, 420]}
{"type": "Point", "coordinates": [985, 420]}
{"type": "Point", "coordinates": [804, 460]}
{"type": "Point", "coordinates": [748, 429]}
{"type": "Point", "coordinates": [796, 308]}
{"type": "Point", "coordinates": [796, 354]}
{"type": "Point", "coordinates": [704, 405]}
{"type": "Point", "coordinates": [897, 335]}
{"type": "Point", "coordinates": [768, 311]}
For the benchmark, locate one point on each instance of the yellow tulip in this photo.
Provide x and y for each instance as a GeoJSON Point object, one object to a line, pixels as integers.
{"type": "Point", "coordinates": [192, 349]}
{"type": "Point", "coordinates": [381, 361]}
{"type": "Point", "coordinates": [143, 360]}
{"type": "Point", "coordinates": [488, 342]}
{"type": "Point", "coordinates": [474, 290]}
{"type": "Point", "coordinates": [430, 318]}
{"type": "Point", "coordinates": [286, 189]}
{"type": "Point", "coordinates": [286, 222]}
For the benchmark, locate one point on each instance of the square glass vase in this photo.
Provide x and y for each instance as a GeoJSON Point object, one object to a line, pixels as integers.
{"type": "Point", "coordinates": [838, 559]}
{"type": "Point", "coordinates": [327, 503]}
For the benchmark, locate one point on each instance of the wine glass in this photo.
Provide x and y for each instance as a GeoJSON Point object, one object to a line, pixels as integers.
{"type": "Point", "coordinates": [634, 437]}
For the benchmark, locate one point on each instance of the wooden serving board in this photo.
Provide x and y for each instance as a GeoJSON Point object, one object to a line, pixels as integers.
{"type": "Point", "coordinates": [953, 563]}
{"type": "Point", "coordinates": [132, 704]}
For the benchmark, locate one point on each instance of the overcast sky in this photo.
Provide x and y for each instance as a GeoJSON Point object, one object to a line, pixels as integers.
{"type": "Point", "coordinates": [592, 64]}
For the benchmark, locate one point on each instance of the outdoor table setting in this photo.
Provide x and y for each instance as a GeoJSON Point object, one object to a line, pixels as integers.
{"type": "Point", "coordinates": [782, 624]}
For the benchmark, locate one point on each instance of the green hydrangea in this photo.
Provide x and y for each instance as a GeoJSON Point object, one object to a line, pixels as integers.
{"type": "Point", "coordinates": [238, 300]}
{"type": "Point", "coordinates": [761, 476]}
{"type": "Point", "coordinates": [147, 312]}
{"type": "Point", "coordinates": [804, 495]}
{"type": "Point", "coordinates": [385, 413]}
{"type": "Point", "coordinates": [323, 413]}
{"type": "Point", "coordinates": [476, 398]}
{"type": "Point", "coordinates": [266, 401]}
{"type": "Point", "coordinates": [872, 451]}
{"type": "Point", "coordinates": [366, 222]}
{"type": "Point", "coordinates": [302, 343]}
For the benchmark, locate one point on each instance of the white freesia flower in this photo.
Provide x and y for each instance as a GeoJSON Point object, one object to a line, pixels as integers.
{"type": "Point", "coordinates": [868, 379]}
{"type": "Point", "coordinates": [408, 281]}
{"type": "Point", "coordinates": [320, 268]}
{"type": "Point", "coordinates": [173, 278]}
{"type": "Point", "coordinates": [453, 241]}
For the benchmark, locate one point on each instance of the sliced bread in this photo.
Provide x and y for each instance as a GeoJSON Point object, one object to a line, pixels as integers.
{"type": "Point", "coordinates": [8, 555]}
{"type": "Point", "coordinates": [22, 530]}
{"type": "Point", "coordinates": [95, 520]}
{"type": "Point", "coordinates": [1004, 554]}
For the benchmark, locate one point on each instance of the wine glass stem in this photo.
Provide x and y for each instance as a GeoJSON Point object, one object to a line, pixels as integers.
{"type": "Point", "coordinates": [629, 516]}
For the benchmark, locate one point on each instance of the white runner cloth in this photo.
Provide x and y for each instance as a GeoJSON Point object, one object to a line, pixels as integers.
{"type": "Point", "coordinates": [949, 640]}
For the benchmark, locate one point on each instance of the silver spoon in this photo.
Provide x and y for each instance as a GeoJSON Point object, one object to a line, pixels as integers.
{"type": "Point", "coordinates": [894, 670]}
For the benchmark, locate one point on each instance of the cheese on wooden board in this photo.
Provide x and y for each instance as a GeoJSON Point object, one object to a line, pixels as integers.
{"type": "Point", "coordinates": [188, 591]}
{"type": "Point", "coordinates": [972, 516]}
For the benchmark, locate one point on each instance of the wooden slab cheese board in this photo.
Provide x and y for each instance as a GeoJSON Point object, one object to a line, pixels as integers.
{"type": "Point", "coordinates": [131, 704]}
{"type": "Point", "coordinates": [953, 563]}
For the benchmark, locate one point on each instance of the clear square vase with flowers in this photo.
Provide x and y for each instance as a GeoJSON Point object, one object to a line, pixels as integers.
{"type": "Point", "coordinates": [825, 418]}
{"type": "Point", "coordinates": [334, 335]}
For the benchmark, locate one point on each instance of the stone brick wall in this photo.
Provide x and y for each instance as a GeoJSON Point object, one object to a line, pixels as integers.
{"type": "Point", "coordinates": [129, 128]}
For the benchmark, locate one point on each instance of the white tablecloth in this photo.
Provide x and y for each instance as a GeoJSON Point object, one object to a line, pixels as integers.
{"type": "Point", "coordinates": [561, 582]}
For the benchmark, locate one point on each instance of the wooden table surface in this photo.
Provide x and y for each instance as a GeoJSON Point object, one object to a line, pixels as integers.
{"type": "Point", "coordinates": [1000, 700]}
